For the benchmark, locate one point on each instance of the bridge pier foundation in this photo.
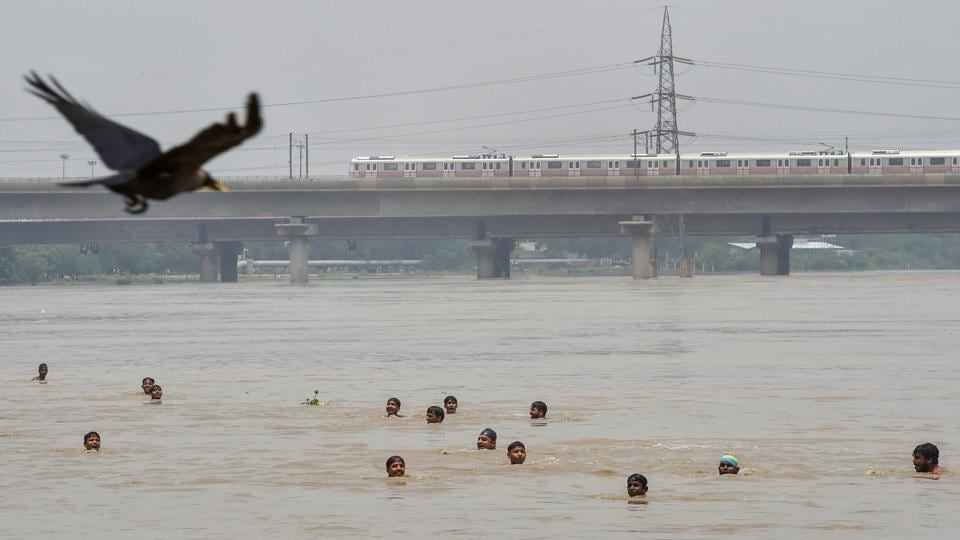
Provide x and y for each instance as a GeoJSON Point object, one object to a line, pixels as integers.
{"type": "Point", "coordinates": [298, 236]}
{"type": "Point", "coordinates": [229, 252]}
{"type": "Point", "coordinates": [493, 257]}
{"type": "Point", "coordinates": [208, 261]}
{"type": "Point", "coordinates": [775, 254]}
{"type": "Point", "coordinates": [643, 232]}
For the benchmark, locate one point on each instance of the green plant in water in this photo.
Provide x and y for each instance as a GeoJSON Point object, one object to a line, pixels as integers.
{"type": "Point", "coordinates": [315, 400]}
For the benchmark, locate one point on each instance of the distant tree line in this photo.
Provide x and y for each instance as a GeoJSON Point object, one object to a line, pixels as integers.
{"type": "Point", "coordinates": [37, 263]}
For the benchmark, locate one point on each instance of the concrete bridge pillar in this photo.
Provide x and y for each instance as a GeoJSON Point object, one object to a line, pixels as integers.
{"type": "Point", "coordinates": [493, 257]}
{"type": "Point", "coordinates": [775, 254]}
{"type": "Point", "coordinates": [229, 252]}
{"type": "Point", "coordinates": [298, 236]}
{"type": "Point", "coordinates": [643, 232]}
{"type": "Point", "coordinates": [208, 261]}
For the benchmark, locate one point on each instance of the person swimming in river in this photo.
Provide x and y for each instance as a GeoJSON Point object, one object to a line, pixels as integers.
{"type": "Point", "coordinates": [156, 393]}
{"type": "Point", "coordinates": [487, 440]}
{"type": "Point", "coordinates": [147, 384]}
{"type": "Point", "coordinates": [517, 453]}
{"type": "Point", "coordinates": [728, 465]}
{"type": "Point", "coordinates": [450, 404]}
{"type": "Point", "coordinates": [538, 409]}
{"type": "Point", "coordinates": [396, 466]}
{"type": "Point", "coordinates": [91, 442]}
{"type": "Point", "coordinates": [393, 407]}
{"type": "Point", "coordinates": [434, 415]}
{"type": "Point", "coordinates": [926, 459]}
{"type": "Point", "coordinates": [41, 374]}
{"type": "Point", "coordinates": [636, 485]}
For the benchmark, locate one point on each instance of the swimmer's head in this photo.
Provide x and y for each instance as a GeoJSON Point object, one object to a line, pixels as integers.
{"type": "Point", "coordinates": [42, 371]}
{"type": "Point", "coordinates": [396, 466]}
{"type": "Point", "coordinates": [434, 415]}
{"type": "Point", "coordinates": [147, 384]}
{"type": "Point", "coordinates": [636, 485]}
{"type": "Point", "coordinates": [156, 392]}
{"type": "Point", "coordinates": [538, 409]}
{"type": "Point", "coordinates": [393, 406]}
{"type": "Point", "coordinates": [728, 465]}
{"type": "Point", "coordinates": [91, 441]}
{"type": "Point", "coordinates": [487, 440]}
{"type": "Point", "coordinates": [517, 452]}
{"type": "Point", "coordinates": [926, 457]}
{"type": "Point", "coordinates": [450, 404]}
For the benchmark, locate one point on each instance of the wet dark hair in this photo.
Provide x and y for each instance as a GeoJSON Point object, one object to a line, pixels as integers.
{"type": "Point", "coordinates": [90, 434]}
{"type": "Point", "coordinates": [437, 411]}
{"type": "Point", "coordinates": [449, 399]}
{"type": "Point", "coordinates": [541, 406]}
{"type": "Point", "coordinates": [394, 399]}
{"type": "Point", "coordinates": [515, 444]}
{"type": "Point", "coordinates": [42, 366]}
{"type": "Point", "coordinates": [928, 451]}
{"type": "Point", "coordinates": [156, 387]}
{"type": "Point", "coordinates": [489, 433]}
{"type": "Point", "coordinates": [392, 459]}
{"type": "Point", "coordinates": [151, 379]}
{"type": "Point", "coordinates": [637, 476]}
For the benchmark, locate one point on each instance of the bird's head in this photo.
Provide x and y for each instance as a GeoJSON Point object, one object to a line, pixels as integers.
{"type": "Point", "coordinates": [212, 184]}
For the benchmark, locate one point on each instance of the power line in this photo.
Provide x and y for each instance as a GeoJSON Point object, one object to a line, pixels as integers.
{"type": "Point", "coordinates": [872, 79]}
{"type": "Point", "coordinates": [743, 103]}
{"type": "Point", "coordinates": [482, 84]}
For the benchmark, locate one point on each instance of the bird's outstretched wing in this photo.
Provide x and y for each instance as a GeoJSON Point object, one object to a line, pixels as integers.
{"type": "Point", "coordinates": [119, 147]}
{"type": "Point", "coordinates": [213, 140]}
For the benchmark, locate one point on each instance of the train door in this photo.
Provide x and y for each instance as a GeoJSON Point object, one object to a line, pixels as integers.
{"type": "Point", "coordinates": [743, 166]}
{"type": "Point", "coordinates": [783, 166]}
{"type": "Point", "coordinates": [409, 170]}
{"type": "Point", "coordinates": [875, 166]}
{"type": "Point", "coordinates": [448, 170]}
{"type": "Point", "coordinates": [613, 168]}
{"type": "Point", "coordinates": [653, 167]}
{"type": "Point", "coordinates": [703, 167]}
{"type": "Point", "coordinates": [371, 170]}
{"type": "Point", "coordinates": [535, 168]}
{"type": "Point", "coordinates": [486, 169]}
{"type": "Point", "coordinates": [823, 166]}
{"type": "Point", "coordinates": [573, 168]}
{"type": "Point", "coordinates": [956, 165]}
{"type": "Point", "coordinates": [916, 165]}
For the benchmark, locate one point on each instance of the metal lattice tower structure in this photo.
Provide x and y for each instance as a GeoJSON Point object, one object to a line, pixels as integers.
{"type": "Point", "coordinates": [666, 132]}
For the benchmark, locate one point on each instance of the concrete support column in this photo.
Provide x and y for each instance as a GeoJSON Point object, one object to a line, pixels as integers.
{"type": "Point", "coordinates": [229, 253]}
{"type": "Point", "coordinates": [208, 261]}
{"type": "Point", "coordinates": [775, 254]}
{"type": "Point", "coordinates": [493, 257]}
{"type": "Point", "coordinates": [298, 236]}
{"type": "Point", "coordinates": [643, 233]}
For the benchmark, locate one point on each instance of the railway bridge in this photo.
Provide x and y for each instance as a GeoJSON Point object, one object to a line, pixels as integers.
{"type": "Point", "coordinates": [490, 212]}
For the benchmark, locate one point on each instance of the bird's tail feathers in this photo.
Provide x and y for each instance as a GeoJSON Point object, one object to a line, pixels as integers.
{"type": "Point", "coordinates": [120, 178]}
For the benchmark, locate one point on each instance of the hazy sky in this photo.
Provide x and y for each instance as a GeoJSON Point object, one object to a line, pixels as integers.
{"type": "Point", "coordinates": [135, 57]}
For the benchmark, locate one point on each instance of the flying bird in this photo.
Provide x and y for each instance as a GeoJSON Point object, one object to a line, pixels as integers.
{"type": "Point", "coordinates": [143, 170]}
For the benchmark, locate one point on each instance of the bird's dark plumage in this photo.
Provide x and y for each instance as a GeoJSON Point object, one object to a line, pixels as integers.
{"type": "Point", "coordinates": [143, 170]}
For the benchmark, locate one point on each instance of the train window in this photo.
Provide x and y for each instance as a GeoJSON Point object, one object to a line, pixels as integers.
{"type": "Point", "coordinates": [468, 166]}
{"type": "Point", "coordinates": [609, 164]}
{"type": "Point", "coordinates": [954, 161]}
{"type": "Point", "coordinates": [406, 166]}
{"type": "Point", "coordinates": [863, 162]}
{"type": "Point", "coordinates": [616, 164]}
{"type": "Point", "coordinates": [523, 164]}
{"type": "Point", "coordinates": [739, 163]}
{"type": "Point", "coordinates": [593, 164]}
{"type": "Point", "coordinates": [413, 166]}
{"type": "Point", "coordinates": [498, 165]}
{"type": "Point", "coordinates": [933, 161]}
{"type": "Point", "coordinates": [871, 161]}
{"type": "Point", "coordinates": [820, 163]}
{"type": "Point", "coordinates": [763, 163]}
{"type": "Point", "coordinates": [804, 162]}
{"type": "Point", "coordinates": [444, 166]}
{"type": "Point", "coordinates": [699, 163]}
{"type": "Point", "coordinates": [538, 164]}
{"type": "Point", "coordinates": [691, 165]}
{"type": "Point", "coordinates": [836, 163]}
{"type": "Point", "coordinates": [913, 161]}
{"type": "Point", "coordinates": [633, 164]}
{"type": "Point", "coordinates": [429, 166]}
{"type": "Point", "coordinates": [368, 166]}
{"type": "Point", "coordinates": [356, 166]}
{"type": "Point", "coordinates": [554, 164]}
{"type": "Point", "coordinates": [374, 166]}
{"type": "Point", "coordinates": [898, 161]}
{"type": "Point", "coordinates": [723, 163]}
{"type": "Point", "coordinates": [570, 165]}
{"type": "Point", "coordinates": [578, 164]}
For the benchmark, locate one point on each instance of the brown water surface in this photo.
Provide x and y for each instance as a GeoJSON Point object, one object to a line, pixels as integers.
{"type": "Point", "coordinates": [820, 384]}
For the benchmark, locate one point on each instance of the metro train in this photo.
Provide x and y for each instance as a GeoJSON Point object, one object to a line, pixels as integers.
{"type": "Point", "coordinates": [703, 164]}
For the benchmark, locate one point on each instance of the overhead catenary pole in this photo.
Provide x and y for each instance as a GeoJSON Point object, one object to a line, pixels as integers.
{"type": "Point", "coordinates": [290, 157]}
{"type": "Point", "coordinates": [306, 144]}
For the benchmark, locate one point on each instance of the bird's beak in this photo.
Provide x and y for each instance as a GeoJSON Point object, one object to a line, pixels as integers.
{"type": "Point", "coordinates": [213, 185]}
